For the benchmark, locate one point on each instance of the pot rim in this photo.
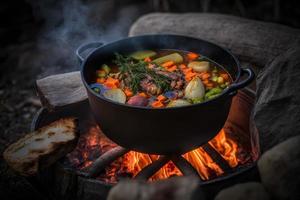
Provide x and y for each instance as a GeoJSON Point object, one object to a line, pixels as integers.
{"type": "Point", "coordinates": [222, 95]}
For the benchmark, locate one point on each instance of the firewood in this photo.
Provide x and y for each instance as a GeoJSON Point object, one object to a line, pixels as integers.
{"type": "Point", "coordinates": [59, 90]}
{"type": "Point", "coordinates": [105, 159]}
{"type": "Point", "coordinates": [43, 147]}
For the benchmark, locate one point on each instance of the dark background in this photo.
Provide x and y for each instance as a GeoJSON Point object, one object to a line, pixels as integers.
{"type": "Point", "coordinates": [39, 37]}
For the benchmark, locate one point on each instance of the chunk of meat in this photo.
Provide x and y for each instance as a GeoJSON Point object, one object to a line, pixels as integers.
{"type": "Point", "coordinates": [149, 86]}
{"type": "Point", "coordinates": [138, 100]}
{"type": "Point", "coordinates": [177, 79]}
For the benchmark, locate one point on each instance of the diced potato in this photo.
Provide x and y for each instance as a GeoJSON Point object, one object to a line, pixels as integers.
{"type": "Point", "coordinates": [178, 103]}
{"type": "Point", "coordinates": [141, 55]}
{"type": "Point", "coordinates": [175, 57]}
{"type": "Point", "coordinates": [116, 95]}
{"type": "Point", "coordinates": [199, 66]}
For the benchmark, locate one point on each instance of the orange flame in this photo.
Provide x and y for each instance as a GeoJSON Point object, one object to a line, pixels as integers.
{"type": "Point", "coordinates": [226, 147]}
{"type": "Point", "coordinates": [133, 162]}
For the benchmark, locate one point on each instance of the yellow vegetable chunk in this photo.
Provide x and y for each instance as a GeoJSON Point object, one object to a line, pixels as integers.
{"type": "Point", "coordinates": [175, 57]}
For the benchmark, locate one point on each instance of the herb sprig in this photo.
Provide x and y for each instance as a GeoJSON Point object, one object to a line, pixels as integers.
{"type": "Point", "coordinates": [136, 71]}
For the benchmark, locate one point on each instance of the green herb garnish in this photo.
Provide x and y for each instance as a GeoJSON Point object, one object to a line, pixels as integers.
{"type": "Point", "coordinates": [135, 71]}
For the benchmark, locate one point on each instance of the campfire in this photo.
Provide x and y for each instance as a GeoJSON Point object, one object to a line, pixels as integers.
{"type": "Point", "coordinates": [94, 143]}
{"type": "Point", "coordinates": [97, 162]}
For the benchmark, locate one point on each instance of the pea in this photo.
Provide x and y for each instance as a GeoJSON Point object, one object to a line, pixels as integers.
{"type": "Point", "coordinates": [214, 78]}
{"type": "Point", "coordinates": [220, 80]}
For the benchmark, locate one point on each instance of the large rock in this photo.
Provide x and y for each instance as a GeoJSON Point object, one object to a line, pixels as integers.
{"type": "Point", "coordinates": [244, 191]}
{"type": "Point", "coordinates": [253, 41]}
{"type": "Point", "coordinates": [280, 169]}
{"type": "Point", "coordinates": [277, 109]}
{"type": "Point", "coordinates": [177, 188]}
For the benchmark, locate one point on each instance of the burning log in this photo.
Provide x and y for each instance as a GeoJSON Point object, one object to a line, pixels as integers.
{"type": "Point", "coordinates": [60, 90]}
{"type": "Point", "coordinates": [104, 160]}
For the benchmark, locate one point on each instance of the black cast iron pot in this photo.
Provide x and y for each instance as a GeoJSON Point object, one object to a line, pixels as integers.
{"type": "Point", "coordinates": [166, 130]}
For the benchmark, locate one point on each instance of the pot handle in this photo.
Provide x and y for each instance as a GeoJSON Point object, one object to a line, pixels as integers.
{"type": "Point", "coordinates": [235, 86]}
{"type": "Point", "coordinates": [85, 47]}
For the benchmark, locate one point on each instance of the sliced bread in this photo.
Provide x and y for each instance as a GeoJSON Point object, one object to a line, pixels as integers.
{"type": "Point", "coordinates": [43, 147]}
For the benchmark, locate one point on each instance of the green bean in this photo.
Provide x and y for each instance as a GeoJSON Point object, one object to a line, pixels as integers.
{"type": "Point", "coordinates": [212, 92]}
{"type": "Point", "coordinates": [197, 100]}
{"type": "Point", "coordinates": [212, 96]}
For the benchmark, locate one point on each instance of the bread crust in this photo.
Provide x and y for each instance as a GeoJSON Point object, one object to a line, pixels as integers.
{"type": "Point", "coordinates": [43, 147]}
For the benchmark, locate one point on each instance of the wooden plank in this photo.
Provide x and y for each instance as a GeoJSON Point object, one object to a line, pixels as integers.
{"type": "Point", "coordinates": [59, 90]}
{"type": "Point", "coordinates": [104, 160]}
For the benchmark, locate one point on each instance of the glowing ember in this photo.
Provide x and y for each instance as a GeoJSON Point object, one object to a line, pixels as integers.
{"type": "Point", "coordinates": [94, 143]}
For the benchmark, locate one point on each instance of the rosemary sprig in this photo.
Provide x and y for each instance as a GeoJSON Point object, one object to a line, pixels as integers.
{"type": "Point", "coordinates": [136, 71]}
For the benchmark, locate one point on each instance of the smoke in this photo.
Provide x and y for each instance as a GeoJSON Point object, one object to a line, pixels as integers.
{"type": "Point", "coordinates": [66, 24]}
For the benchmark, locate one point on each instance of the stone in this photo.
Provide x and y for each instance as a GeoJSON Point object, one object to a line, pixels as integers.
{"type": "Point", "coordinates": [253, 41]}
{"type": "Point", "coordinates": [176, 188]}
{"type": "Point", "coordinates": [277, 108]}
{"type": "Point", "coordinates": [244, 191]}
{"type": "Point", "coordinates": [280, 170]}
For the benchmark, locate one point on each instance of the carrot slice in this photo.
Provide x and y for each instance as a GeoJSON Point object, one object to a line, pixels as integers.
{"type": "Point", "coordinates": [147, 59]}
{"type": "Point", "coordinates": [190, 75]}
{"type": "Point", "coordinates": [128, 92]}
{"type": "Point", "coordinates": [182, 66]}
{"type": "Point", "coordinates": [192, 56]}
{"type": "Point", "coordinates": [111, 82]}
{"type": "Point", "coordinates": [157, 104]}
{"type": "Point", "coordinates": [225, 76]}
{"type": "Point", "coordinates": [172, 68]}
{"type": "Point", "coordinates": [205, 82]}
{"type": "Point", "coordinates": [205, 76]}
{"type": "Point", "coordinates": [167, 64]}
{"type": "Point", "coordinates": [100, 80]}
{"type": "Point", "coordinates": [143, 94]}
{"type": "Point", "coordinates": [209, 86]}
{"type": "Point", "coordinates": [187, 70]}
{"type": "Point", "coordinates": [161, 98]}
